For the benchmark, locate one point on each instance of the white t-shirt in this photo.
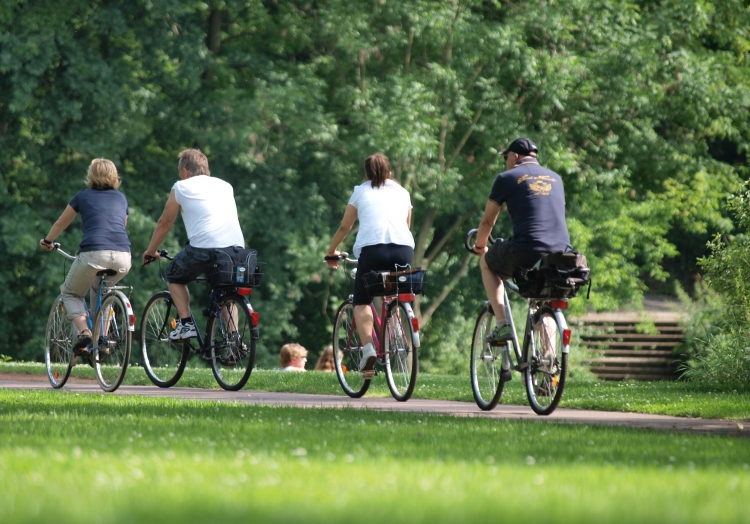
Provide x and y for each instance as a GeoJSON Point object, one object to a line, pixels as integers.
{"type": "Point", "coordinates": [209, 212]}
{"type": "Point", "coordinates": [382, 214]}
{"type": "Point", "coordinates": [292, 368]}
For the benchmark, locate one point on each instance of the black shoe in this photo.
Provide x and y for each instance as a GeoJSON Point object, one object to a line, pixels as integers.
{"type": "Point", "coordinates": [84, 339]}
{"type": "Point", "coordinates": [506, 376]}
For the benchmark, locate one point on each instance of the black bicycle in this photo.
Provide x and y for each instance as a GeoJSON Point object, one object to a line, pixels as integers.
{"type": "Point", "coordinates": [228, 344]}
{"type": "Point", "coordinates": [542, 361]}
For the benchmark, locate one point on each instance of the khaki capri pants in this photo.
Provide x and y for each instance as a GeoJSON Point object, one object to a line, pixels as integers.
{"type": "Point", "coordinates": [82, 277]}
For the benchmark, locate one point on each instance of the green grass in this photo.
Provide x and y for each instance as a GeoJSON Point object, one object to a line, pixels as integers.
{"type": "Point", "coordinates": [66, 457]}
{"type": "Point", "coordinates": [681, 399]}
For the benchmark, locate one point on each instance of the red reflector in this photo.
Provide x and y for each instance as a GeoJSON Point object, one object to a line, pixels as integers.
{"type": "Point", "coordinates": [244, 291]}
{"type": "Point", "coordinates": [559, 304]}
{"type": "Point", "coordinates": [415, 323]}
{"type": "Point", "coordinates": [406, 297]}
{"type": "Point", "coordinates": [131, 319]}
{"type": "Point", "coordinates": [254, 317]}
{"type": "Point", "coordinates": [566, 337]}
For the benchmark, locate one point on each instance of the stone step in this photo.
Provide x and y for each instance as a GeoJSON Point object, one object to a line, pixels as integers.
{"type": "Point", "coordinates": [624, 345]}
{"type": "Point", "coordinates": [633, 352]}
{"type": "Point", "coordinates": [631, 336]}
{"type": "Point", "coordinates": [627, 375]}
{"type": "Point", "coordinates": [632, 361]}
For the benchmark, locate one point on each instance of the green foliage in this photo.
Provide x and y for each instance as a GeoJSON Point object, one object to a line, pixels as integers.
{"type": "Point", "coordinates": [641, 107]}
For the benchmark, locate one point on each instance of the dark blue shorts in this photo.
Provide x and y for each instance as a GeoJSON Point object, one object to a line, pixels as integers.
{"type": "Point", "coordinates": [503, 260]}
{"type": "Point", "coordinates": [380, 257]}
{"type": "Point", "coordinates": [188, 264]}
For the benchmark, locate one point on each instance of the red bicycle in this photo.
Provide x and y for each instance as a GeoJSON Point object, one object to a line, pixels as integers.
{"type": "Point", "coordinates": [395, 336]}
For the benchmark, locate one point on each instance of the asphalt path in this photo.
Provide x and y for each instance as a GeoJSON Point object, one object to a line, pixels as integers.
{"type": "Point", "coordinates": [434, 407]}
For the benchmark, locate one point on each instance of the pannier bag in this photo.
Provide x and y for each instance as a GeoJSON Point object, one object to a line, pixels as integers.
{"type": "Point", "coordinates": [558, 276]}
{"type": "Point", "coordinates": [234, 266]}
{"type": "Point", "coordinates": [382, 283]}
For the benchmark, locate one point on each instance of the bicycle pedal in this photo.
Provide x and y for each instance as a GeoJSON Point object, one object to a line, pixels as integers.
{"type": "Point", "coordinates": [368, 375]}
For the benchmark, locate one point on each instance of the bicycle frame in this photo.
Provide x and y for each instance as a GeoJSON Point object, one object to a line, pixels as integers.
{"type": "Point", "coordinates": [386, 309]}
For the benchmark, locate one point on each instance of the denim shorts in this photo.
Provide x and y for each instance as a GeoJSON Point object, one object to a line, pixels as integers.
{"type": "Point", "coordinates": [188, 264]}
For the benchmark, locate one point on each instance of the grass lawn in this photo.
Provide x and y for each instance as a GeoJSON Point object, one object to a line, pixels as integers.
{"type": "Point", "coordinates": [66, 457]}
{"type": "Point", "coordinates": [681, 399]}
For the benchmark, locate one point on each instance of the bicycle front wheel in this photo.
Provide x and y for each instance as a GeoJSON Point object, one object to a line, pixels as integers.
{"type": "Point", "coordinates": [233, 338]}
{"type": "Point", "coordinates": [347, 352]}
{"type": "Point", "coordinates": [401, 364]}
{"type": "Point", "coordinates": [486, 363]}
{"type": "Point", "coordinates": [58, 348]}
{"type": "Point", "coordinates": [547, 369]}
{"type": "Point", "coordinates": [163, 359]}
{"type": "Point", "coordinates": [112, 342]}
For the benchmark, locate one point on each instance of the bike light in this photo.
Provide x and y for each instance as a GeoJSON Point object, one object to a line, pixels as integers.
{"type": "Point", "coordinates": [415, 324]}
{"type": "Point", "coordinates": [559, 304]}
{"type": "Point", "coordinates": [566, 337]}
{"type": "Point", "coordinates": [131, 319]}
{"type": "Point", "coordinates": [254, 316]}
{"type": "Point", "coordinates": [406, 297]}
{"type": "Point", "coordinates": [244, 291]}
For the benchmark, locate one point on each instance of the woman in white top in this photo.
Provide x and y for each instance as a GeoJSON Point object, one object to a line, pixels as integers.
{"type": "Point", "coordinates": [384, 239]}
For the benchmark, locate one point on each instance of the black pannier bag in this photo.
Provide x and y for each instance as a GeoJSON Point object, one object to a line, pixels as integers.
{"type": "Point", "coordinates": [382, 283]}
{"type": "Point", "coordinates": [234, 266]}
{"type": "Point", "coordinates": [558, 276]}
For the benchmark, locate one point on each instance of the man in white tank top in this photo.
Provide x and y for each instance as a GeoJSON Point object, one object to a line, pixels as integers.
{"type": "Point", "coordinates": [210, 215]}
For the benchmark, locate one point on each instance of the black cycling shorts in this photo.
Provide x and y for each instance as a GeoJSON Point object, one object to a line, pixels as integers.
{"type": "Point", "coordinates": [503, 260]}
{"type": "Point", "coordinates": [380, 257]}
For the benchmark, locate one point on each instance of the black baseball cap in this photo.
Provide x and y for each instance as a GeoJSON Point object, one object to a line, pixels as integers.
{"type": "Point", "coordinates": [523, 146]}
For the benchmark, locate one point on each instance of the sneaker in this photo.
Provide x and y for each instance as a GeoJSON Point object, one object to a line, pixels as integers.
{"type": "Point", "coordinates": [183, 331]}
{"type": "Point", "coordinates": [500, 334]}
{"type": "Point", "coordinates": [367, 364]}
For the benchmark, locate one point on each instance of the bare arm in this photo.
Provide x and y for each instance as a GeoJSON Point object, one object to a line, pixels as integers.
{"type": "Point", "coordinates": [350, 216]}
{"type": "Point", "coordinates": [58, 227]}
{"type": "Point", "coordinates": [491, 212]}
{"type": "Point", "coordinates": [408, 219]}
{"type": "Point", "coordinates": [163, 226]}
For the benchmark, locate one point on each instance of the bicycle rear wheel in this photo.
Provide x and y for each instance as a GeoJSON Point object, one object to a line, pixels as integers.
{"type": "Point", "coordinates": [58, 348]}
{"type": "Point", "coordinates": [163, 360]}
{"type": "Point", "coordinates": [401, 364]}
{"type": "Point", "coordinates": [547, 369]}
{"type": "Point", "coordinates": [112, 342]}
{"type": "Point", "coordinates": [347, 352]}
{"type": "Point", "coordinates": [233, 338]}
{"type": "Point", "coordinates": [486, 363]}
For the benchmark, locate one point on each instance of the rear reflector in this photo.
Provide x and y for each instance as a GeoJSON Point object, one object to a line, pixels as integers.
{"type": "Point", "coordinates": [254, 318]}
{"type": "Point", "coordinates": [415, 324]}
{"type": "Point", "coordinates": [244, 291]}
{"type": "Point", "coordinates": [131, 319]}
{"type": "Point", "coordinates": [559, 304]}
{"type": "Point", "coordinates": [406, 297]}
{"type": "Point", "coordinates": [566, 337]}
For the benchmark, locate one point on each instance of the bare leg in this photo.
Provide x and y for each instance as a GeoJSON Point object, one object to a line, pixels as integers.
{"type": "Point", "coordinates": [181, 298]}
{"type": "Point", "coordinates": [363, 318]}
{"type": "Point", "coordinates": [493, 286]}
{"type": "Point", "coordinates": [80, 323]}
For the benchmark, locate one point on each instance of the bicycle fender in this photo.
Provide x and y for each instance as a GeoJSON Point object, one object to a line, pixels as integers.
{"type": "Point", "coordinates": [131, 313]}
{"type": "Point", "coordinates": [562, 323]}
{"type": "Point", "coordinates": [410, 315]}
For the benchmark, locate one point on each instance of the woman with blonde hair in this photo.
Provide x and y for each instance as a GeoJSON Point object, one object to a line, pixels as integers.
{"type": "Point", "coordinates": [292, 357]}
{"type": "Point", "coordinates": [105, 243]}
{"type": "Point", "coordinates": [383, 240]}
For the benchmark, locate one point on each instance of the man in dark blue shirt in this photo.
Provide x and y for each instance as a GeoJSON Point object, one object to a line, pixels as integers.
{"type": "Point", "coordinates": [536, 203]}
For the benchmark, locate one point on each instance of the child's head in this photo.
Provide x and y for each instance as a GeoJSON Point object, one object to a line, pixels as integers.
{"type": "Point", "coordinates": [292, 355]}
{"type": "Point", "coordinates": [325, 362]}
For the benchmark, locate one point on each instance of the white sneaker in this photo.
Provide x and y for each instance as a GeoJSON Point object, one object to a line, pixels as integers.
{"type": "Point", "coordinates": [183, 331]}
{"type": "Point", "coordinates": [367, 364]}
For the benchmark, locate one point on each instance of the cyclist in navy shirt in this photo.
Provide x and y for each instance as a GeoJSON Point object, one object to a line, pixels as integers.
{"type": "Point", "coordinates": [105, 243]}
{"type": "Point", "coordinates": [536, 203]}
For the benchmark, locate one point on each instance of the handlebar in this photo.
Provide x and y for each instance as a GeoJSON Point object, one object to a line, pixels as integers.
{"type": "Point", "coordinates": [341, 256]}
{"type": "Point", "coordinates": [163, 253]}
{"type": "Point", "coordinates": [467, 241]}
{"type": "Point", "coordinates": [56, 247]}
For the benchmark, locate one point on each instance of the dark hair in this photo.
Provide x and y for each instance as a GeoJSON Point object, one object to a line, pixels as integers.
{"type": "Point", "coordinates": [377, 169]}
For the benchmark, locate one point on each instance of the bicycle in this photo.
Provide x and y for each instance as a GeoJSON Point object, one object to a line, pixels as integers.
{"type": "Point", "coordinates": [229, 342]}
{"type": "Point", "coordinates": [396, 346]}
{"type": "Point", "coordinates": [543, 360]}
{"type": "Point", "coordinates": [112, 332]}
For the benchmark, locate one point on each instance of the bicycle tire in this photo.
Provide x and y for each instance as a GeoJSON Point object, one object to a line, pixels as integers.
{"type": "Point", "coordinates": [232, 356]}
{"type": "Point", "coordinates": [58, 347]}
{"type": "Point", "coordinates": [486, 363]}
{"type": "Point", "coordinates": [347, 352]}
{"type": "Point", "coordinates": [401, 357]}
{"type": "Point", "coordinates": [547, 370]}
{"type": "Point", "coordinates": [163, 359]}
{"type": "Point", "coordinates": [112, 342]}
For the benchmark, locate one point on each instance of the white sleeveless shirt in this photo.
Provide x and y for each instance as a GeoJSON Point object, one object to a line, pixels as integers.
{"type": "Point", "coordinates": [382, 214]}
{"type": "Point", "coordinates": [209, 212]}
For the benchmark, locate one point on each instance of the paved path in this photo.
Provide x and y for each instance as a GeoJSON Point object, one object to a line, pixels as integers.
{"type": "Point", "coordinates": [437, 407]}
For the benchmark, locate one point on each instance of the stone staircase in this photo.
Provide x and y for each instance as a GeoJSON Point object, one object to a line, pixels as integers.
{"type": "Point", "coordinates": [620, 350]}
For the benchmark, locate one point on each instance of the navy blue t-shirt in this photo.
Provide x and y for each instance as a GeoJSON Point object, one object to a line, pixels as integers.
{"type": "Point", "coordinates": [103, 214]}
{"type": "Point", "coordinates": [536, 204]}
